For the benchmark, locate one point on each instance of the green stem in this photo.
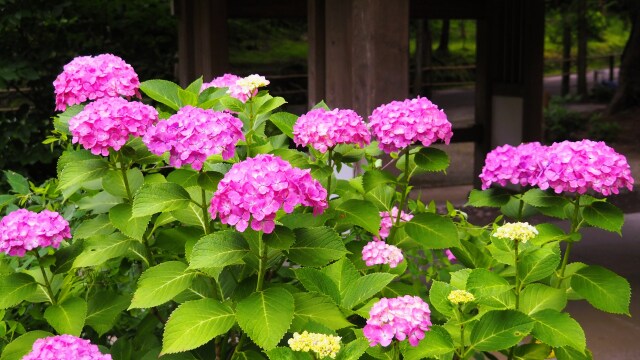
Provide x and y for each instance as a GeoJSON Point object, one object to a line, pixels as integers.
{"type": "Point", "coordinates": [404, 198]}
{"type": "Point", "coordinates": [262, 251]}
{"type": "Point", "coordinates": [520, 210]}
{"type": "Point", "coordinates": [330, 174]}
{"type": "Point", "coordinates": [251, 124]}
{"type": "Point", "coordinates": [125, 179]}
{"type": "Point", "coordinates": [205, 213]}
{"type": "Point", "coordinates": [517, 276]}
{"type": "Point", "coordinates": [574, 228]}
{"type": "Point", "coordinates": [46, 279]}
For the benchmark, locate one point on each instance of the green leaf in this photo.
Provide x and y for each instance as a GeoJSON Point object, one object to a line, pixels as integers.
{"type": "Point", "coordinates": [537, 264]}
{"type": "Point", "coordinates": [100, 203]}
{"type": "Point", "coordinates": [266, 316]}
{"type": "Point", "coordinates": [603, 289]}
{"type": "Point", "coordinates": [67, 317]}
{"type": "Point", "coordinates": [194, 323]}
{"type": "Point", "coordinates": [316, 246]}
{"type": "Point", "coordinates": [548, 233]}
{"type": "Point", "coordinates": [558, 329]}
{"type": "Point", "coordinates": [437, 341]}
{"type": "Point", "coordinates": [500, 329]}
{"type": "Point", "coordinates": [285, 353]}
{"type": "Point", "coordinates": [381, 197]}
{"type": "Point", "coordinates": [99, 249]}
{"type": "Point", "coordinates": [364, 288]}
{"type": "Point", "coordinates": [317, 308]}
{"type": "Point", "coordinates": [75, 174]}
{"type": "Point", "coordinates": [438, 294]}
{"type": "Point", "coordinates": [120, 216]}
{"type": "Point", "coordinates": [284, 121]}
{"type": "Point", "coordinates": [432, 159]}
{"type": "Point", "coordinates": [161, 283]}
{"type": "Point", "coordinates": [315, 280]}
{"type": "Point", "coordinates": [195, 86]}
{"type": "Point", "coordinates": [209, 180]}
{"type": "Point", "coordinates": [433, 231]}
{"type": "Point", "coordinates": [343, 273]}
{"type": "Point", "coordinates": [568, 353]}
{"type": "Point", "coordinates": [104, 309]}
{"type": "Point", "coordinates": [113, 182]}
{"type": "Point", "coordinates": [271, 105]}
{"type": "Point", "coordinates": [232, 104]}
{"type": "Point", "coordinates": [219, 249]}
{"type": "Point", "coordinates": [490, 197]}
{"type": "Point", "coordinates": [604, 215]}
{"type": "Point", "coordinates": [539, 198]}
{"type": "Point", "coordinates": [361, 213]}
{"type": "Point", "coordinates": [14, 288]}
{"type": "Point", "coordinates": [99, 225]}
{"type": "Point", "coordinates": [17, 182]}
{"type": "Point", "coordinates": [161, 197]}
{"type": "Point", "coordinates": [184, 177]}
{"type": "Point", "coordinates": [486, 284]}
{"type": "Point", "coordinates": [22, 345]}
{"type": "Point", "coordinates": [538, 297]}
{"type": "Point", "coordinates": [353, 350]}
{"type": "Point", "coordinates": [281, 238]}
{"type": "Point", "coordinates": [163, 91]}
{"type": "Point", "coordinates": [187, 98]}
{"type": "Point", "coordinates": [374, 178]}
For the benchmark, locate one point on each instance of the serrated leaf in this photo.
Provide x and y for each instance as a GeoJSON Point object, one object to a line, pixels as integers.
{"type": "Point", "coordinates": [310, 307]}
{"type": "Point", "coordinates": [281, 238]}
{"type": "Point", "coordinates": [104, 309]}
{"type": "Point", "coordinates": [438, 294]}
{"type": "Point", "coordinates": [539, 198]}
{"type": "Point", "coordinates": [14, 288]}
{"type": "Point", "coordinates": [266, 316]}
{"type": "Point", "coordinates": [343, 273]}
{"type": "Point", "coordinates": [161, 283]}
{"type": "Point", "coordinates": [285, 353]}
{"type": "Point", "coordinates": [437, 341]}
{"type": "Point", "coordinates": [433, 231]}
{"type": "Point", "coordinates": [218, 250]}
{"type": "Point", "coordinates": [353, 350]}
{"type": "Point", "coordinates": [160, 197]}
{"type": "Point", "coordinates": [113, 182]}
{"type": "Point", "coordinates": [100, 225]}
{"type": "Point", "coordinates": [548, 233]}
{"type": "Point", "coordinates": [315, 280]}
{"type": "Point", "coordinates": [361, 213]}
{"type": "Point", "coordinates": [194, 323]}
{"type": "Point", "coordinates": [22, 345]}
{"type": "Point", "coordinates": [17, 182]}
{"type": "Point", "coordinates": [271, 105]}
{"type": "Point", "coordinates": [284, 121]}
{"type": "Point", "coordinates": [537, 264]}
{"type": "Point", "coordinates": [67, 317]}
{"type": "Point", "coordinates": [121, 217]}
{"type": "Point", "coordinates": [99, 249]}
{"type": "Point", "coordinates": [162, 91]}
{"type": "Point", "coordinates": [99, 203]}
{"type": "Point", "coordinates": [486, 284]}
{"type": "Point", "coordinates": [374, 178]}
{"type": "Point", "coordinates": [75, 174]}
{"type": "Point", "coordinates": [432, 159]}
{"type": "Point", "coordinates": [538, 297]}
{"type": "Point", "coordinates": [316, 246]}
{"type": "Point", "coordinates": [568, 353]}
{"type": "Point", "coordinates": [604, 289]}
{"type": "Point", "coordinates": [489, 198]}
{"type": "Point", "coordinates": [364, 288]}
{"type": "Point", "coordinates": [381, 197]}
{"type": "Point", "coordinates": [604, 215]}
{"type": "Point", "coordinates": [500, 329]}
{"type": "Point", "coordinates": [558, 329]}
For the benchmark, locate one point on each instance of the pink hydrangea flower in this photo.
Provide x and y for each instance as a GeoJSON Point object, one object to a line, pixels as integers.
{"type": "Point", "coordinates": [193, 134]}
{"type": "Point", "coordinates": [228, 81]}
{"type": "Point", "coordinates": [577, 166]}
{"type": "Point", "coordinates": [450, 255]}
{"type": "Point", "coordinates": [107, 123]}
{"type": "Point", "coordinates": [256, 188]}
{"type": "Point", "coordinates": [399, 124]}
{"type": "Point", "coordinates": [24, 230]}
{"type": "Point", "coordinates": [65, 347]}
{"type": "Point", "coordinates": [379, 252]}
{"type": "Point", "coordinates": [402, 317]}
{"type": "Point", "coordinates": [323, 129]}
{"type": "Point", "coordinates": [90, 78]}
{"type": "Point", "coordinates": [515, 165]}
{"type": "Point", "coordinates": [387, 220]}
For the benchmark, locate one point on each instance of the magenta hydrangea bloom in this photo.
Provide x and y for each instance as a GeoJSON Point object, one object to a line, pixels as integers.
{"type": "Point", "coordinates": [324, 129]}
{"type": "Point", "coordinates": [256, 188]}
{"type": "Point", "coordinates": [399, 124]}
{"type": "Point", "coordinates": [582, 165]}
{"type": "Point", "coordinates": [90, 78]}
{"type": "Point", "coordinates": [515, 165]}
{"type": "Point", "coordinates": [193, 134]}
{"type": "Point", "coordinates": [387, 220]}
{"type": "Point", "coordinates": [65, 347]}
{"type": "Point", "coordinates": [228, 81]}
{"type": "Point", "coordinates": [108, 122]}
{"type": "Point", "coordinates": [450, 255]}
{"type": "Point", "coordinates": [402, 317]}
{"type": "Point", "coordinates": [24, 230]}
{"type": "Point", "coordinates": [379, 252]}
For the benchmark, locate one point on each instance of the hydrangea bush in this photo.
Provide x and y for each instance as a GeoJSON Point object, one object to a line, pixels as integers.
{"type": "Point", "coordinates": [213, 227]}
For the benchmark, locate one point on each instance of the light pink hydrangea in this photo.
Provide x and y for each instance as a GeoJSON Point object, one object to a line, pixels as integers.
{"type": "Point", "coordinates": [387, 220]}
{"type": "Point", "coordinates": [108, 122]}
{"type": "Point", "coordinates": [324, 129]}
{"type": "Point", "coordinates": [24, 230]}
{"type": "Point", "coordinates": [193, 134]}
{"type": "Point", "coordinates": [247, 87]}
{"type": "Point", "coordinates": [402, 317]}
{"type": "Point", "coordinates": [256, 188]}
{"type": "Point", "coordinates": [577, 166]}
{"type": "Point", "coordinates": [228, 81]}
{"type": "Point", "coordinates": [65, 347]}
{"type": "Point", "coordinates": [515, 165]}
{"type": "Point", "coordinates": [399, 124]}
{"type": "Point", "coordinates": [90, 78]}
{"type": "Point", "coordinates": [379, 252]}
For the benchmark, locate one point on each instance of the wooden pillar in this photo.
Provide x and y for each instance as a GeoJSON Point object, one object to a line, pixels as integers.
{"type": "Point", "coordinates": [203, 45]}
{"type": "Point", "coordinates": [316, 57]}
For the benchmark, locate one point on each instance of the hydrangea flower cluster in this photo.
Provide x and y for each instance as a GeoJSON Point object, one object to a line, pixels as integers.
{"type": "Point", "coordinates": [107, 123]}
{"type": "Point", "coordinates": [245, 88]}
{"type": "Point", "coordinates": [402, 317]}
{"type": "Point", "coordinates": [256, 188]}
{"type": "Point", "coordinates": [90, 78]}
{"type": "Point", "coordinates": [515, 165]}
{"type": "Point", "coordinates": [324, 129]}
{"type": "Point", "coordinates": [323, 345]}
{"type": "Point", "coordinates": [193, 134]}
{"type": "Point", "coordinates": [388, 219]}
{"type": "Point", "coordinates": [460, 297]}
{"type": "Point", "coordinates": [228, 81]}
{"type": "Point", "coordinates": [65, 347]}
{"type": "Point", "coordinates": [571, 166]}
{"type": "Point", "coordinates": [399, 124]}
{"type": "Point", "coordinates": [518, 231]}
{"type": "Point", "coordinates": [379, 252]}
{"type": "Point", "coordinates": [24, 230]}
{"type": "Point", "coordinates": [450, 255]}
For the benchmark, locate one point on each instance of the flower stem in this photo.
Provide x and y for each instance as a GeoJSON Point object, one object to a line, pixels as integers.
{"type": "Point", "coordinates": [125, 179]}
{"type": "Point", "coordinates": [574, 228]}
{"type": "Point", "coordinates": [205, 213]}
{"type": "Point", "coordinates": [46, 279]}
{"type": "Point", "coordinates": [330, 174]}
{"type": "Point", "coordinates": [404, 198]}
{"type": "Point", "coordinates": [517, 257]}
{"type": "Point", "coordinates": [262, 250]}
